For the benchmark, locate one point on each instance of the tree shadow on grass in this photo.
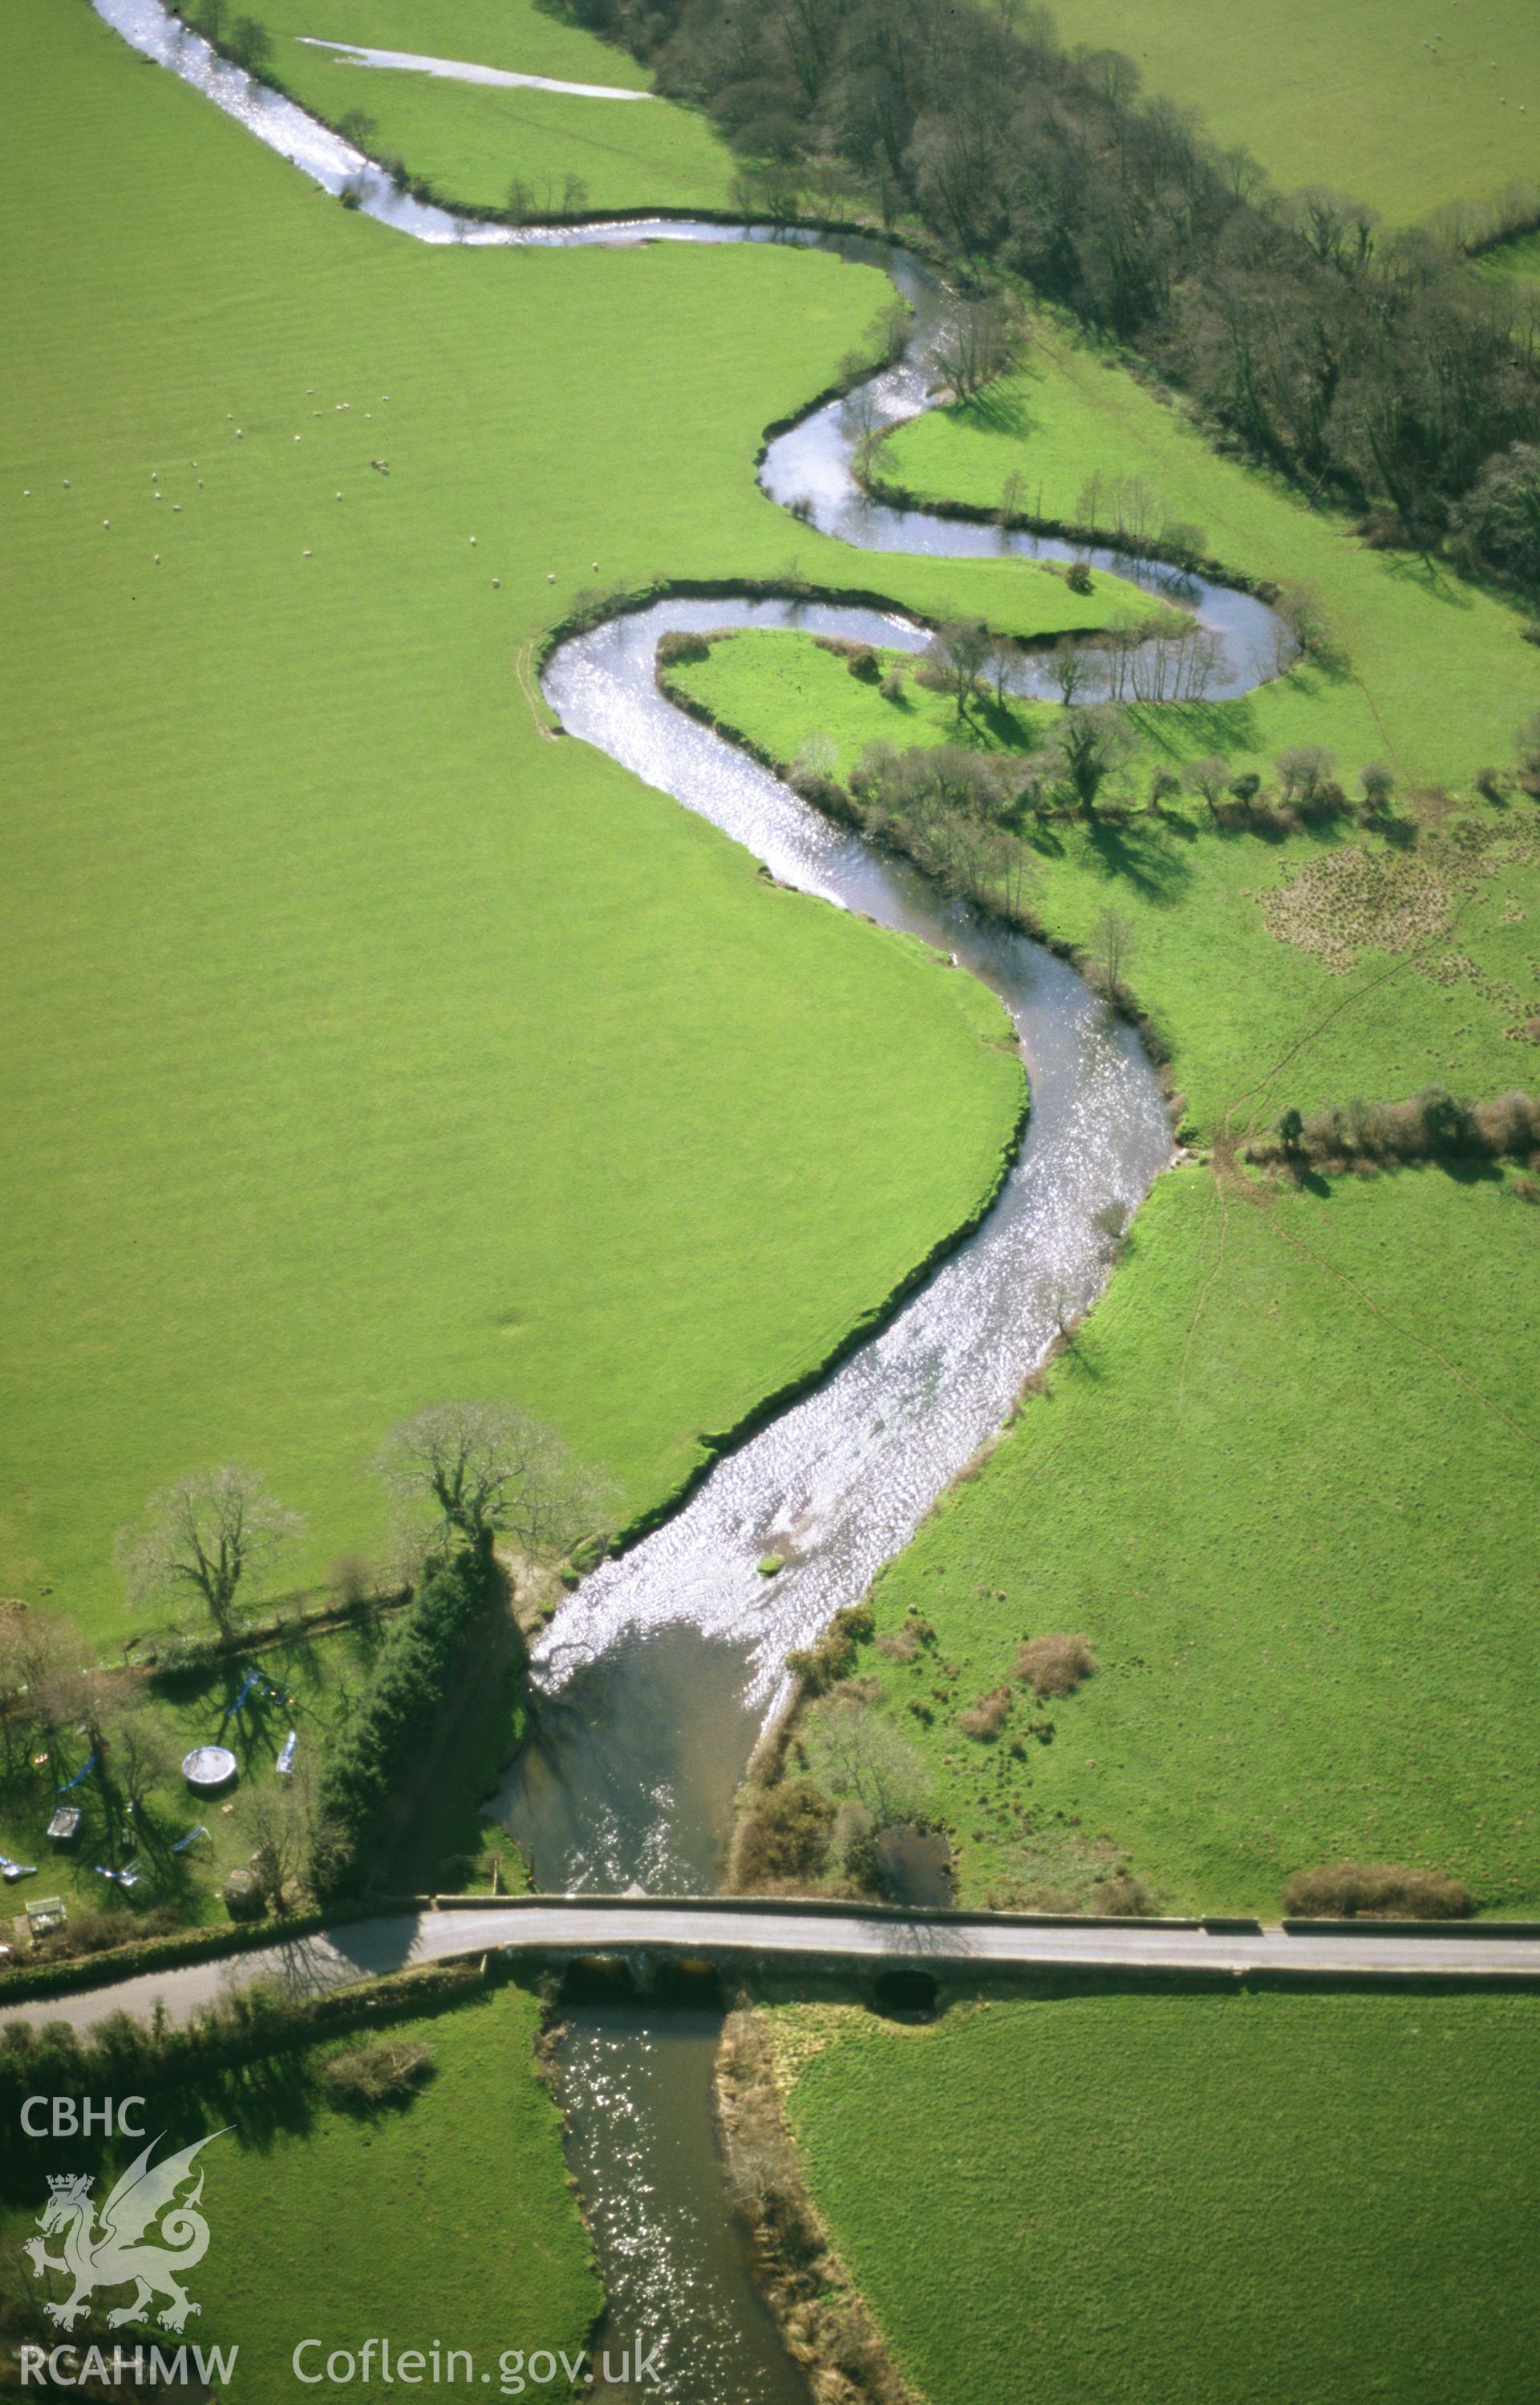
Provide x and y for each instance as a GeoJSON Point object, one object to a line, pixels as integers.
{"type": "Point", "coordinates": [1000, 408]}
{"type": "Point", "coordinates": [996, 726]}
{"type": "Point", "coordinates": [1133, 852]}
{"type": "Point", "coordinates": [1307, 1180]}
{"type": "Point", "coordinates": [1086, 1356]}
{"type": "Point", "coordinates": [1469, 1170]}
{"type": "Point", "coordinates": [1418, 568]}
{"type": "Point", "coordinates": [1187, 730]}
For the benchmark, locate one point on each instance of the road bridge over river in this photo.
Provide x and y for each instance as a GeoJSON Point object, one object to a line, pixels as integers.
{"type": "Point", "coordinates": [783, 1936]}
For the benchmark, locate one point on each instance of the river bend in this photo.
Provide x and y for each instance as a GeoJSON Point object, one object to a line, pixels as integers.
{"type": "Point", "coordinates": [657, 1672]}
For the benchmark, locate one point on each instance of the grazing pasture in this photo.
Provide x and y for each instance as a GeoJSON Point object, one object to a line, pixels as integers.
{"type": "Point", "coordinates": [1409, 104]}
{"type": "Point", "coordinates": [1372, 966]}
{"type": "Point", "coordinates": [456, 2184]}
{"type": "Point", "coordinates": [366, 1047]}
{"type": "Point", "coordinates": [1438, 674]}
{"type": "Point", "coordinates": [472, 142]}
{"type": "Point", "coordinates": [1282, 1480]}
{"type": "Point", "coordinates": [514, 36]}
{"type": "Point", "coordinates": [1348, 964]}
{"type": "Point", "coordinates": [1090, 2199]}
{"type": "Point", "coordinates": [462, 2192]}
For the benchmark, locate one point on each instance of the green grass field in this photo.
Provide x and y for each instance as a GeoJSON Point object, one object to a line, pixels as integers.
{"type": "Point", "coordinates": [462, 2194]}
{"type": "Point", "coordinates": [1286, 1483]}
{"type": "Point", "coordinates": [366, 1047]}
{"type": "Point", "coordinates": [473, 141]}
{"type": "Point", "coordinates": [1515, 262]}
{"type": "Point", "coordinates": [1438, 673]}
{"type": "Point", "coordinates": [513, 35]}
{"type": "Point", "coordinates": [1289, 2199]}
{"type": "Point", "coordinates": [1438, 677]}
{"type": "Point", "coordinates": [467, 2205]}
{"type": "Point", "coordinates": [1409, 105]}
{"type": "Point", "coordinates": [1322, 1000]}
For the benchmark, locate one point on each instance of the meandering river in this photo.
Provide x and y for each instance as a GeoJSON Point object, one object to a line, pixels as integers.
{"type": "Point", "coordinates": [656, 1674]}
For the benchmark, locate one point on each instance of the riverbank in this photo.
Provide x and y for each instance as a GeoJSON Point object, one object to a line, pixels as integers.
{"type": "Point", "coordinates": [610, 1024]}
{"type": "Point", "coordinates": [1281, 1482]}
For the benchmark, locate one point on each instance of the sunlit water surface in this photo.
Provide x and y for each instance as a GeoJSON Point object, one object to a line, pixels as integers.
{"type": "Point", "coordinates": [656, 1674]}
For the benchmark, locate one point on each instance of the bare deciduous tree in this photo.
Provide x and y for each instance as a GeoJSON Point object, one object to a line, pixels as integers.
{"type": "Point", "coordinates": [277, 1823]}
{"type": "Point", "coordinates": [981, 341]}
{"type": "Point", "coordinates": [857, 1753]}
{"type": "Point", "coordinates": [490, 1468]}
{"type": "Point", "coordinates": [955, 659]}
{"type": "Point", "coordinates": [207, 1536]}
{"type": "Point", "coordinates": [1207, 778]}
{"type": "Point", "coordinates": [1304, 770]}
{"type": "Point", "coordinates": [1069, 668]}
{"type": "Point", "coordinates": [1116, 941]}
{"type": "Point", "coordinates": [1068, 1310]}
{"type": "Point", "coordinates": [139, 1758]}
{"type": "Point", "coordinates": [1378, 784]}
{"type": "Point", "coordinates": [1005, 657]}
{"type": "Point", "coordinates": [45, 1670]}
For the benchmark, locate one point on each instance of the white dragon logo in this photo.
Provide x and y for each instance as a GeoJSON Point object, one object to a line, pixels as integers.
{"type": "Point", "coordinates": [116, 2254]}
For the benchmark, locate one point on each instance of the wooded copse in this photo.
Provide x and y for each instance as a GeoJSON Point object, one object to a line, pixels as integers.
{"type": "Point", "coordinates": [1371, 367]}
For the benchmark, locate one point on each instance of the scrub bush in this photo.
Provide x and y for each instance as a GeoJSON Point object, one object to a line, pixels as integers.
{"type": "Point", "coordinates": [833, 1655]}
{"type": "Point", "coordinates": [1376, 1891]}
{"type": "Point", "coordinates": [368, 2076]}
{"type": "Point", "coordinates": [989, 1716]}
{"type": "Point", "coordinates": [1054, 1664]}
{"type": "Point", "coordinates": [785, 1834]}
{"type": "Point", "coordinates": [1434, 1125]}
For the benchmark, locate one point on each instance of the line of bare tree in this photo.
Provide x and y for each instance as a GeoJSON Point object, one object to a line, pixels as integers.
{"type": "Point", "coordinates": [460, 1474]}
{"type": "Point", "coordinates": [1368, 364]}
